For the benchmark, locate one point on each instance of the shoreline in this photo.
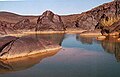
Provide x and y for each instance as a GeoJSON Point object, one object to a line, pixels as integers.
{"type": "Point", "coordinates": [43, 32]}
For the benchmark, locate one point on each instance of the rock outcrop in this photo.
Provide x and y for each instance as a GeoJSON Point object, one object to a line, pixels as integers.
{"type": "Point", "coordinates": [6, 28]}
{"type": "Point", "coordinates": [24, 24]}
{"type": "Point", "coordinates": [13, 47]}
{"type": "Point", "coordinates": [107, 16]}
{"type": "Point", "coordinates": [49, 21]}
{"type": "Point", "coordinates": [100, 17]}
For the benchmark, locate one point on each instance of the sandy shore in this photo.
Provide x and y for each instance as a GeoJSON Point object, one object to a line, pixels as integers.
{"type": "Point", "coordinates": [90, 34]}
{"type": "Point", "coordinates": [44, 32]}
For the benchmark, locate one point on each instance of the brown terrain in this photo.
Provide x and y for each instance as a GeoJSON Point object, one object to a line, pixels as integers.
{"type": "Point", "coordinates": [11, 47]}
{"type": "Point", "coordinates": [104, 18]}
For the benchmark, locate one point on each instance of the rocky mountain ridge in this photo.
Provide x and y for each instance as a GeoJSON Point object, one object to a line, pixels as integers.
{"type": "Point", "coordinates": [105, 17]}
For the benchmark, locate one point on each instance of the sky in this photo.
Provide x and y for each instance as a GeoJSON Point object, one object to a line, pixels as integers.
{"type": "Point", "coordinates": [37, 7]}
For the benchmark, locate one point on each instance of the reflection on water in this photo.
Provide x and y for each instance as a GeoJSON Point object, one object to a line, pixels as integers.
{"type": "Point", "coordinates": [109, 45]}
{"type": "Point", "coordinates": [80, 57]}
{"type": "Point", "coordinates": [24, 62]}
{"type": "Point", "coordinates": [112, 46]}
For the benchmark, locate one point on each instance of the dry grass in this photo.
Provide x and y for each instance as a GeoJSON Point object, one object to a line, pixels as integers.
{"type": "Point", "coordinates": [109, 21]}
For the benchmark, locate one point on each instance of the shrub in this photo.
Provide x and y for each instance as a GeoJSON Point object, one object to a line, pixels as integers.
{"type": "Point", "coordinates": [108, 21]}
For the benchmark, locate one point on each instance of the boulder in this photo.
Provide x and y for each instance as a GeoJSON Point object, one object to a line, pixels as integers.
{"type": "Point", "coordinates": [28, 45]}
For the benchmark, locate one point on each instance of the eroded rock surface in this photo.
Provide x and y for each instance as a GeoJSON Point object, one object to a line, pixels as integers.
{"type": "Point", "coordinates": [28, 45]}
{"type": "Point", "coordinates": [49, 21]}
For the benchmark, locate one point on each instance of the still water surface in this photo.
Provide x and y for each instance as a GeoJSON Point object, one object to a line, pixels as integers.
{"type": "Point", "coordinates": [79, 57]}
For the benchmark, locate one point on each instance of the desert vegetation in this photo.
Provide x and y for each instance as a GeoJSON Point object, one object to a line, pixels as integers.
{"type": "Point", "coordinates": [108, 21]}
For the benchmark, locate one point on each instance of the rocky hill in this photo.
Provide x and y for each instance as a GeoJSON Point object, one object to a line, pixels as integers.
{"type": "Point", "coordinates": [105, 17]}
{"type": "Point", "coordinates": [49, 21]}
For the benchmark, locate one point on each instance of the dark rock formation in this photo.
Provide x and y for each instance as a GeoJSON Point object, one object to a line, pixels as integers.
{"type": "Point", "coordinates": [28, 45]}
{"type": "Point", "coordinates": [70, 21]}
{"type": "Point", "coordinates": [49, 21]}
{"type": "Point", "coordinates": [4, 41]}
{"type": "Point", "coordinates": [87, 22]}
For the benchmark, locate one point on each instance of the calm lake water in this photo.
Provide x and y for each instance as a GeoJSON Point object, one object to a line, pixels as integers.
{"type": "Point", "coordinates": [79, 57]}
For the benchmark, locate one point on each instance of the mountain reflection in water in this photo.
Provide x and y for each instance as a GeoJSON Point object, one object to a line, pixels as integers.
{"type": "Point", "coordinates": [110, 45]}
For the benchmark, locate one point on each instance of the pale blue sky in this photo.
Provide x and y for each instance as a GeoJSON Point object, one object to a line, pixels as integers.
{"type": "Point", "coordinates": [37, 7]}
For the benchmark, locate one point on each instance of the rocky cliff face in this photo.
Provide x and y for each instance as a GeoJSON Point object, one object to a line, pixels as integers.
{"type": "Point", "coordinates": [100, 17]}
{"type": "Point", "coordinates": [107, 15]}
{"type": "Point", "coordinates": [49, 21]}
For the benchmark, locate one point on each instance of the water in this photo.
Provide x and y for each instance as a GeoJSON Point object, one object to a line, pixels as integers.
{"type": "Point", "coordinates": [79, 57]}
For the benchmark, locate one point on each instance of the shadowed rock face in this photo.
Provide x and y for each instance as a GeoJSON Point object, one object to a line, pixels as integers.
{"type": "Point", "coordinates": [24, 62]}
{"type": "Point", "coordinates": [6, 28]}
{"type": "Point", "coordinates": [87, 22]}
{"type": "Point", "coordinates": [4, 41]}
{"type": "Point", "coordinates": [49, 21]}
{"type": "Point", "coordinates": [23, 24]}
{"type": "Point", "coordinates": [28, 45]}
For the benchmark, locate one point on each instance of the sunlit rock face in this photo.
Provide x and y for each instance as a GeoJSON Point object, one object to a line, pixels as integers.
{"type": "Point", "coordinates": [24, 62]}
{"type": "Point", "coordinates": [28, 45]}
{"type": "Point", "coordinates": [49, 21]}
